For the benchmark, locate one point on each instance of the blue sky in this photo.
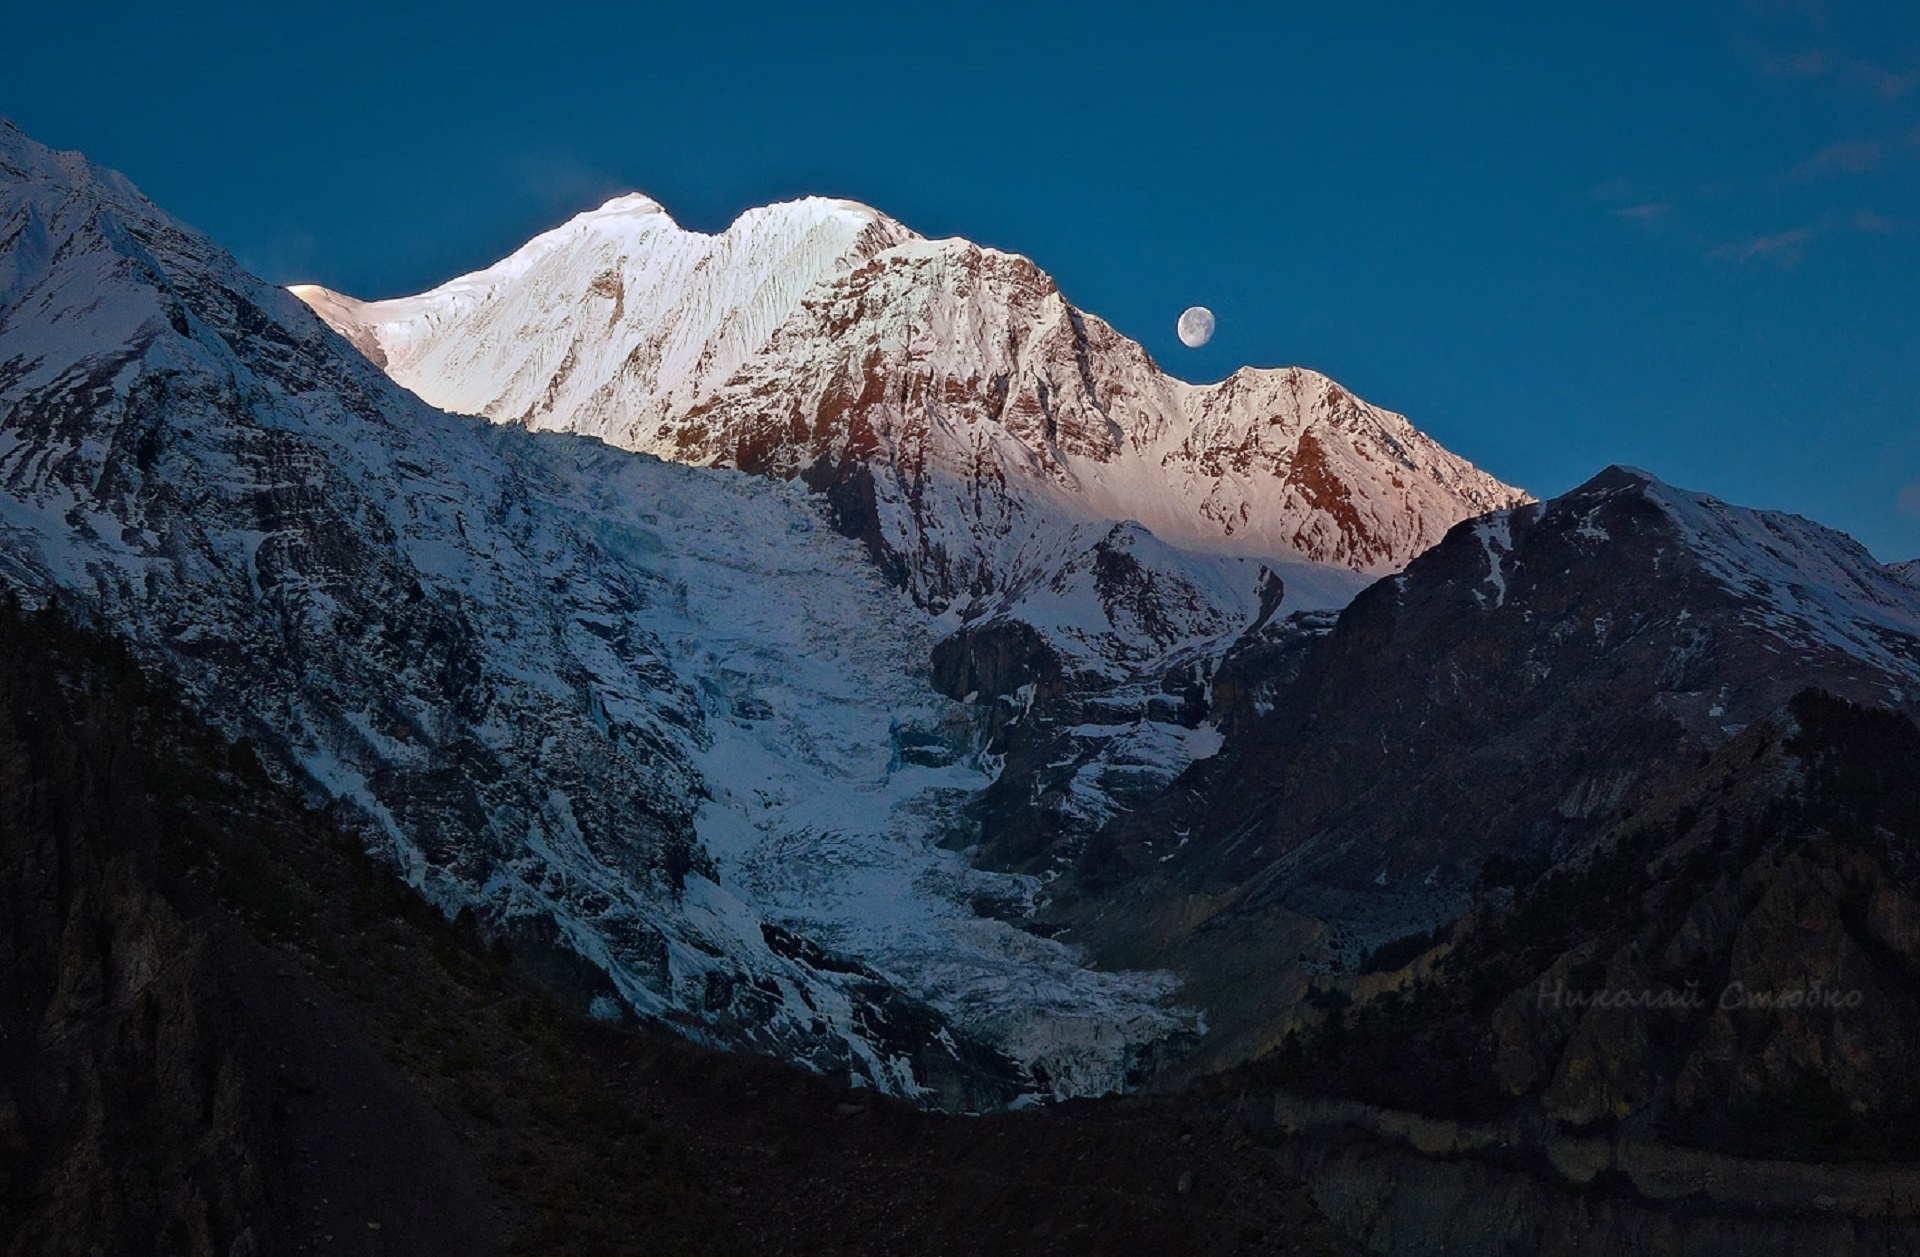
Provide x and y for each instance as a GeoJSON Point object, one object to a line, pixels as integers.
{"type": "Point", "coordinates": [1685, 237]}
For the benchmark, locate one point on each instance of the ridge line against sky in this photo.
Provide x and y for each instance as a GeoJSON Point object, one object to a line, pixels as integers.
{"type": "Point", "coordinates": [1554, 237]}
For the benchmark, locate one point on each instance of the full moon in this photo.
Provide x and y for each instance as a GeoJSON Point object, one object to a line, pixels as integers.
{"type": "Point", "coordinates": [1195, 326]}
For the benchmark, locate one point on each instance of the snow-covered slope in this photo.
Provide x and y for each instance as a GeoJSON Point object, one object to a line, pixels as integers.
{"type": "Point", "coordinates": [956, 410]}
{"type": "Point", "coordinates": [1815, 590]}
{"type": "Point", "coordinates": [654, 715]}
{"type": "Point", "coordinates": [619, 311]}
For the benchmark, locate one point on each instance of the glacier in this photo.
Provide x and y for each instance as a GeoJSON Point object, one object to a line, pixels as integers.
{"type": "Point", "coordinates": [656, 716]}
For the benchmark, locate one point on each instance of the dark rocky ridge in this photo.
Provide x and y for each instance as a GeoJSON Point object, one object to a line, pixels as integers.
{"type": "Point", "coordinates": [169, 1081]}
{"type": "Point", "coordinates": [1512, 696]}
{"type": "Point", "coordinates": [1787, 863]}
{"type": "Point", "coordinates": [1445, 720]}
{"type": "Point", "coordinates": [1753, 1093]}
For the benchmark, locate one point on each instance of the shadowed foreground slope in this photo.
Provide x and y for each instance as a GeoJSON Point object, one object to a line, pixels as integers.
{"type": "Point", "coordinates": [226, 1031]}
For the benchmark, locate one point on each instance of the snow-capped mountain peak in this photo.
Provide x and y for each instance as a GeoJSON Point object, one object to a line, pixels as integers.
{"type": "Point", "coordinates": [618, 293]}
{"type": "Point", "coordinates": [948, 398]}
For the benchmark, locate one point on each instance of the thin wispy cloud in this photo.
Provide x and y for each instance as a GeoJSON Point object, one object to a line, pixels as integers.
{"type": "Point", "coordinates": [1873, 223]}
{"type": "Point", "coordinates": [1782, 248]}
{"type": "Point", "coordinates": [560, 182]}
{"type": "Point", "coordinates": [1787, 54]}
{"type": "Point", "coordinates": [1806, 63]}
{"type": "Point", "coordinates": [1629, 202]}
{"type": "Point", "coordinates": [1813, 11]}
{"type": "Point", "coordinates": [1811, 63]}
{"type": "Point", "coordinates": [1847, 157]}
{"type": "Point", "coordinates": [1818, 66]}
{"type": "Point", "coordinates": [1647, 212]}
{"type": "Point", "coordinates": [1888, 85]}
{"type": "Point", "coordinates": [1908, 500]}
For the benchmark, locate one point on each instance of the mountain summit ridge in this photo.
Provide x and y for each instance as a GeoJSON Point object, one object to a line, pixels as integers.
{"type": "Point", "coordinates": [519, 356]}
{"type": "Point", "coordinates": [946, 397]}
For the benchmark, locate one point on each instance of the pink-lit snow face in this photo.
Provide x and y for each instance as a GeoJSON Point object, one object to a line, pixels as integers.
{"type": "Point", "coordinates": [1195, 326]}
{"type": "Point", "coordinates": [622, 326]}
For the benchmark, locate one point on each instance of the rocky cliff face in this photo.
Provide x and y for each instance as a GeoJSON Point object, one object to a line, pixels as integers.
{"type": "Point", "coordinates": [167, 1082]}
